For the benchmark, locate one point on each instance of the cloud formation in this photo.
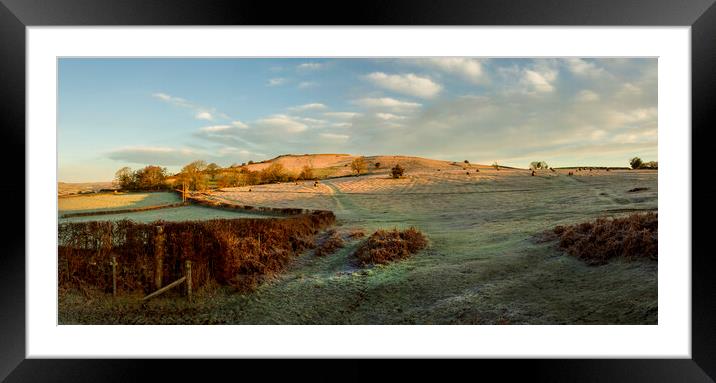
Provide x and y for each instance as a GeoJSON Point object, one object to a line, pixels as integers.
{"type": "Point", "coordinates": [408, 84]}
{"type": "Point", "coordinates": [563, 111]}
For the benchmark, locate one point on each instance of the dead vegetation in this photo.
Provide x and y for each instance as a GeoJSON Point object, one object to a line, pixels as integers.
{"type": "Point", "coordinates": [234, 252]}
{"type": "Point", "coordinates": [631, 237]}
{"type": "Point", "coordinates": [385, 246]}
{"type": "Point", "coordinates": [328, 245]}
{"type": "Point", "coordinates": [635, 190]}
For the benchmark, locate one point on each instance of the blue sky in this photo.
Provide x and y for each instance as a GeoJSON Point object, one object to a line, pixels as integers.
{"type": "Point", "coordinates": [169, 112]}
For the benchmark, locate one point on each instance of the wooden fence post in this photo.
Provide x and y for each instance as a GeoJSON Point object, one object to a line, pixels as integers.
{"type": "Point", "coordinates": [114, 276]}
{"type": "Point", "coordinates": [158, 257]}
{"type": "Point", "coordinates": [188, 279]}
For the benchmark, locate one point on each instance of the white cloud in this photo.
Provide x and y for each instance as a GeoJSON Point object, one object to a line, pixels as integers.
{"type": "Point", "coordinates": [177, 101]}
{"type": "Point", "coordinates": [215, 128]}
{"type": "Point", "coordinates": [587, 95]}
{"type": "Point", "coordinates": [539, 81]}
{"type": "Point", "coordinates": [389, 116]}
{"type": "Point", "coordinates": [386, 103]}
{"type": "Point", "coordinates": [204, 115]}
{"type": "Point", "coordinates": [629, 89]}
{"type": "Point", "coordinates": [468, 68]}
{"type": "Point", "coordinates": [341, 115]}
{"type": "Point", "coordinates": [153, 155]}
{"type": "Point", "coordinates": [276, 81]}
{"type": "Point", "coordinates": [335, 137]}
{"type": "Point", "coordinates": [283, 123]}
{"type": "Point", "coordinates": [638, 117]}
{"type": "Point", "coordinates": [310, 66]}
{"type": "Point", "coordinates": [409, 84]}
{"type": "Point", "coordinates": [200, 112]}
{"type": "Point", "coordinates": [239, 124]}
{"type": "Point", "coordinates": [305, 107]}
{"type": "Point", "coordinates": [583, 68]}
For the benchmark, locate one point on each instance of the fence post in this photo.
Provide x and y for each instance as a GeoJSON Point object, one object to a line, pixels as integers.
{"type": "Point", "coordinates": [188, 279]}
{"type": "Point", "coordinates": [158, 257]}
{"type": "Point", "coordinates": [114, 276]}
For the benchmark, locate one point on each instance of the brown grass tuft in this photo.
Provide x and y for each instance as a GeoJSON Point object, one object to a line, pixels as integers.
{"type": "Point", "coordinates": [385, 246]}
{"type": "Point", "coordinates": [631, 237]}
{"type": "Point", "coordinates": [330, 243]}
{"type": "Point", "coordinates": [356, 233]}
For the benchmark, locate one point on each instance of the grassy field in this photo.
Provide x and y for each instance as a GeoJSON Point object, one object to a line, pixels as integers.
{"type": "Point", "coordinates": [482, 265]}
{"type": "Point", "coordinates": [109, 201]}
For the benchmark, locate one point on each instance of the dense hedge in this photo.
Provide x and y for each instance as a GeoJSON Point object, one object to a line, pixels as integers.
{"type": "Point", "coordinates": [236, 252]}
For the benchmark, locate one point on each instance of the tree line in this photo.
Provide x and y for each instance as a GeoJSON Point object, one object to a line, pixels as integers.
{"type": "Point", "coordinates": [198, 175]}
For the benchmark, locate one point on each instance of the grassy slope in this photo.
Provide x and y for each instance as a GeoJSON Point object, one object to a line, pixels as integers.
{"type": "Point", "coordinates": [482, 266]}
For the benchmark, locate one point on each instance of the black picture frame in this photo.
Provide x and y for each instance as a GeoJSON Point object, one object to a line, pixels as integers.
{"type": "Point", "coordinates": [16, 15]}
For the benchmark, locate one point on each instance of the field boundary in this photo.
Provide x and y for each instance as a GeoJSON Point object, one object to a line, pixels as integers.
{"type": "Point", "coordinates": [203, 199]}
{"type": "Point", "coordinates": [122, 211]}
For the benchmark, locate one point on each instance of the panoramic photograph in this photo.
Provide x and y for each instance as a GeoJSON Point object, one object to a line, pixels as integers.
{"type": "Point", "coordinates": [385, 190]}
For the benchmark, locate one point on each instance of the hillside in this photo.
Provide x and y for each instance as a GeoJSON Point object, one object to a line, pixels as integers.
{"type": "Point", "coordinates": [337, 165]}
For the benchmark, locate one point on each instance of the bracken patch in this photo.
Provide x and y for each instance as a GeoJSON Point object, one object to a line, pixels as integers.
{"type": "Point", "coordinates": [385, 246]}
{"type": "Point", "coordinates": [631, 237]}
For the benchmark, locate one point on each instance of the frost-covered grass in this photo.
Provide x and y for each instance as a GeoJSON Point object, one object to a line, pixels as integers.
{"type": "Point", "coordinates": [482, 264]}
{"type": "Point", "coordinates": [182, 213]}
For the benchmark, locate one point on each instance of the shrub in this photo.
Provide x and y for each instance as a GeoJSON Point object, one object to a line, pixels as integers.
{"type": "Point", "coordinates": [386, 246]}
{"type": "Point", "coordinates": [397, 171]}
{"type": "Point", "coordinates": [359, 165]}
{"type": "Point", "coordinates": [377, 165]}
{"type": "Point", "coordinates": [631, 237]}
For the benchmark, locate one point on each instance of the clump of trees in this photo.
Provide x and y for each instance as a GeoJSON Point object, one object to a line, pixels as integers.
{"type": "Point", "coordinates": [637, 163]}
{"type": "Point", "coordinates": [536, 165]}
{"type": "Point", "coordinates": [359, 165]}
{"type": "Point", "coordinates": [192, 176]}
{"type": "Point", "coordinates": [397, 171]}
{"type": "Point", "coordinates": [148, 178]}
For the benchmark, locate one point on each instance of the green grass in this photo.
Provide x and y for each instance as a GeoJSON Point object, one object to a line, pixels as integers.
{"type": "Point", "coordinates": [482, 265]}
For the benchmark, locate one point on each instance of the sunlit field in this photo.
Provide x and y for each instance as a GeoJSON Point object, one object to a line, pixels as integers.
{"type": "Point", "coordinates": [483, 264]}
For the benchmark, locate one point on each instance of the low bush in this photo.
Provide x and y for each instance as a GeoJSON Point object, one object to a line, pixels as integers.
{"type": "Point", "coordinates": [631, 237]}
{"type": "Point", "coordinates": [385, 246]}
{"type": "Point", "coordinates": [397, 171]}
